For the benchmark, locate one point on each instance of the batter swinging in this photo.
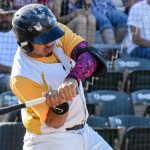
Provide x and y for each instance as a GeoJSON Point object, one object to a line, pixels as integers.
{"type": "Point", "coordinates": [51, 61]}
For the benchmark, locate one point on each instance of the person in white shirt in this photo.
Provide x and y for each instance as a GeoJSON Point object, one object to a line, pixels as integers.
{"type": "Point", "coordinates": [139, 30]}
{"type": "Point", "coordinates": [112, 23]}
{"type": "Point", "coordinates": [8, 46]}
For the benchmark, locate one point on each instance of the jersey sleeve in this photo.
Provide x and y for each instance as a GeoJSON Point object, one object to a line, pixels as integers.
{"type": "Point", "coordinates": [69, 40]}
{"type": "Point", "coordinates": [26, 90]}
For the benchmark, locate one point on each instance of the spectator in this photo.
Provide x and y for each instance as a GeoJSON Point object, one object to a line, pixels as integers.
{"type": "Point", "coordinates": [109, 18]}
{"type": "Point", "coordinates": [8, 47]}
{"type": "Point", "coordinates": [128, 4]}
{"type": "Point", "coordinates": [6, 4]}
{"type": "Point", "coordinates": [73, 14]}
{"type": "Point", "coordinates": [119, 4]}
{"type": "Point", "coordinates": [44, 2]}
{"type": "Point", "coordinates": [19, 3]}
{"type": "Point", "coordinates": [139, 30]}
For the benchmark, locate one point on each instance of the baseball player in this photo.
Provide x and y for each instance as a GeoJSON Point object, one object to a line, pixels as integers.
{"type": "Point", "coordinates": [51, 61]}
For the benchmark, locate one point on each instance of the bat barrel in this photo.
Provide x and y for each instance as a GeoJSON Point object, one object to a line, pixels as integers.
{"type": "Point", "coordinates": [11, 108]}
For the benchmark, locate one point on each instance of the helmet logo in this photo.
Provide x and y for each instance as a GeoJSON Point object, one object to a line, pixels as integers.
{"type": "Point", "coordinates": [23, 44]}
{"type": "Point", "coordinates": [38, 26]}
{"type": "Point", "coordinates": [41, 15]}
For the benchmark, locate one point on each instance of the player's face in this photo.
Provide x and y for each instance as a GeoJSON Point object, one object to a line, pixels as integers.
{"type": "Point", "coordinates": [42, 50]}
{"type": "Point", "coordinates": [5, 22]}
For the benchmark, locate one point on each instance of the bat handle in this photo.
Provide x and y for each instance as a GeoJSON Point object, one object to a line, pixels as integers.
{"type": "Point", "coordinates": [35, 101]}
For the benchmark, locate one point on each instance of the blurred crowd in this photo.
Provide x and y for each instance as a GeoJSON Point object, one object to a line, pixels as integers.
{"type": "Point", "coordinates": [85, 17]}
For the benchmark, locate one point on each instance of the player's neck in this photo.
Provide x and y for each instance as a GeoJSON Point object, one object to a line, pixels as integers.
{"type": "Point", "coordinates": [35, 56]}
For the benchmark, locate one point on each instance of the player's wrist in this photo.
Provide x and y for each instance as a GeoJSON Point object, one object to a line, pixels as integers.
{"type": "Point", "coordinates": [61, 109]}
{"type": "Point", "coordinates": [71, 76]}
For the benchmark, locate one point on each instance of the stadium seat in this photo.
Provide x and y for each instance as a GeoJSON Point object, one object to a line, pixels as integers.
{"type": "Point", "coordinates": [8, 99]}
{"type": "Point", "coordinates": [135, 72]}
{"type": "Point", "coordinates": [131, 63]}
{"type": "Point", "coordinates": [128, 74]}
{"type": "Point", "coordinates": [111, 136]}
{"type": "Point", "coordinates": [93, 109]}
{"type": "Point", "coordinates": [95, 121]}
{"type": "Point", "coordinates": [111, 102]}
{"type": "Point", "coordinates": [141, 98]}
{"type": "Point", "coordinates": [128, 121]}
{"type": "Point", "coordinates": [110, 81]}
{"type": "Point", "coordinates": [11, 136]}
{"type": "Point", "coordinates": [136, 138]}
{"type": "Point", "coordinates": [137, 80]}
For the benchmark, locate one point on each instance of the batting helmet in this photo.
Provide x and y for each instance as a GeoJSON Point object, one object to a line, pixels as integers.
{"type": "Point", "coordinates": [35, 23]}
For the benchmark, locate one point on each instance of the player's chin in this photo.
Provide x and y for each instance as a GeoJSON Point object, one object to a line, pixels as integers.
{"type": "Point", "coordinates": [48, 54]}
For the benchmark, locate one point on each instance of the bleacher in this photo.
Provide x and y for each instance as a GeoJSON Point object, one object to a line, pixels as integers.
{"type": "Point", "coordinates": [118, 104]}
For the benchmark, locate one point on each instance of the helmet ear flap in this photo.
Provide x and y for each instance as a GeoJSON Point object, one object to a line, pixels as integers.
{"type": "Point", "coordinates": [26, 47]}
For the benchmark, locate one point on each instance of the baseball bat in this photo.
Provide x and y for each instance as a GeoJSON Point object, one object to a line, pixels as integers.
{"type": "Point", "coordinates": [30, 103]}
{"type": "Point", "coordinates": [23, 105]}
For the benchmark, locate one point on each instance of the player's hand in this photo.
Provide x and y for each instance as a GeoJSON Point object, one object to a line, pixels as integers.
{"type": "Point", "coordinates": [68, 89]}
{"type": "Point", "coordinates": [53, 98]}
{"type": "Point", "coordinates": [66, 92]}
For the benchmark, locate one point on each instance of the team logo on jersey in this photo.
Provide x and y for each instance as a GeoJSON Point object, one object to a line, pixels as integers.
{"type": "Point", "coordinates": [57, 45]}
{"type": "Point", "coordinates": [43, 80]}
